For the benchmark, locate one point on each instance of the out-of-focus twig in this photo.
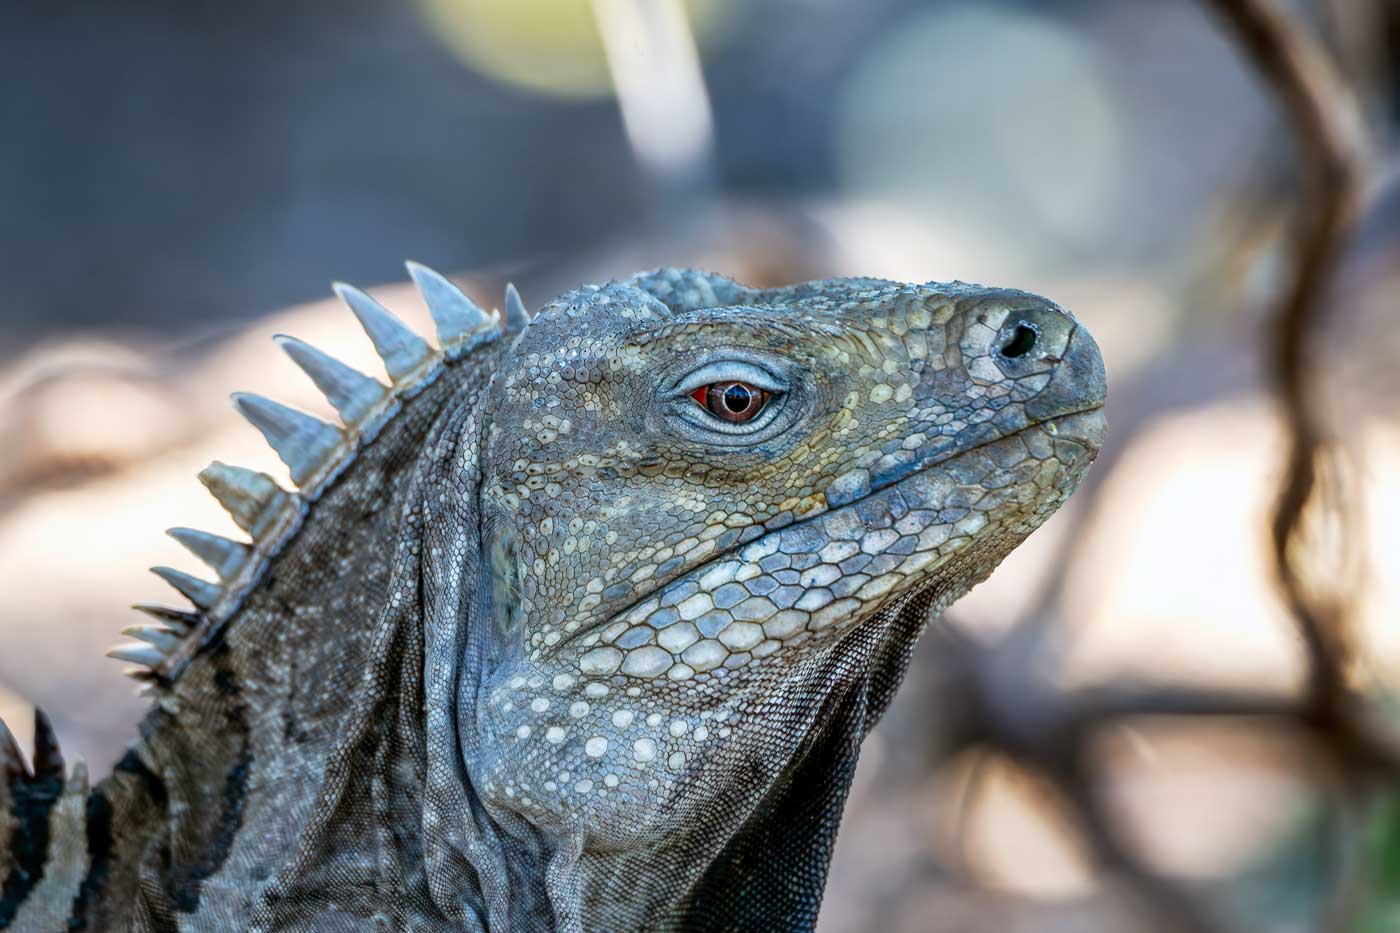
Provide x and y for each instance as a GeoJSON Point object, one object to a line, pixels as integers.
{"type": "Point", "coordinates": [655, 68]}
{"type": "Point", "coordinates": [1334, 169]}
{"type": "Point", "coordinates": [1332, 150]}
{"type": "Point", "coordinates": [1016, 705]}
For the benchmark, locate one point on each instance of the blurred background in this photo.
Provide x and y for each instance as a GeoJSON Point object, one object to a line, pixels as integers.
{"type": "Point", "coordinates": [180, 180]}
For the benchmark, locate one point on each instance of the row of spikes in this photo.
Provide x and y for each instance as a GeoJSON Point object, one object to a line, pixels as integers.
{"type": "Point", "coordinates": [313, 450]}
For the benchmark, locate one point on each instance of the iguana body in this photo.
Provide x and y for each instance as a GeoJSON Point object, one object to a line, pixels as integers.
{"type": "Point", "coordinates": [576, 625]}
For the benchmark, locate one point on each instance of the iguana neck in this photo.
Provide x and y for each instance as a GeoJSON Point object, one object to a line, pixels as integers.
{"type": "Point", "coordinates": [238, 757]}
{"type": "Point", "coordinates": [772, 813]}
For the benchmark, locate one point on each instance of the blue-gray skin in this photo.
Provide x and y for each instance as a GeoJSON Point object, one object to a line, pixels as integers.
{"type": "Point", "coordinates": [550, 638]}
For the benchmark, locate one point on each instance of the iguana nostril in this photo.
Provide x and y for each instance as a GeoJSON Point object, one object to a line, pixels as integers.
{"type": "Point", "coordinates": [1022, 342]}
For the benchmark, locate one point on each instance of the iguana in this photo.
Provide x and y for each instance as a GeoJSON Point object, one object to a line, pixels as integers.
{"type": "Point", "coordinates": [577, 624]}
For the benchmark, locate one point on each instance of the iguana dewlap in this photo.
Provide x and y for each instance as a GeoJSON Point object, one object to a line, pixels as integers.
{"type": "Point", "coordinates": [577, 623]}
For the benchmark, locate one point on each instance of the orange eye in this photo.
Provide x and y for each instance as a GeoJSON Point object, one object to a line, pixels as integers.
{"type": "Point", "coordinates": [732, 401]}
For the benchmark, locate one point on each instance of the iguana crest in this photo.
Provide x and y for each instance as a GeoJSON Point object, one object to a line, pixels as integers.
{"type": "Point", "coordinates": [577, 623]}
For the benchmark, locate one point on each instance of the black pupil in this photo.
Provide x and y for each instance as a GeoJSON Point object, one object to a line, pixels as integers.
{"type": "Point", "coordinates": [737, 398]}
{"type": "Point", "coordinates": [1020, 343]}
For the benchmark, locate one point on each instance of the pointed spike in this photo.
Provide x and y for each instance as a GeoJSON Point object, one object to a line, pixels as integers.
{"type": "Point", "coordinates": [402, 350]}
{"type": "Point", "coordinates": [242, 492]}
{"type": "Point", "coordinates": [226, 557]}
{"type": "Point", "coordinates": [147, 655]}
{"type": "Point", "coordinates": [304, 443]}
{"type": "Point", "coordinates": [517, 318]}
{"type": "Point", "coordinates": [163, 638]}
{"type": "Point", "coordinates": [11, 759]}
{"type": "Point", "coordinates": [180, 622]}
{"type": "Point", "coordinates": [48, 759]}
{"type": "Point", "coordinates": [351, 392]}
{"type": "Point", "coordinates": [455, 315]}
{"type": "Point", "coordinates": [200, 592]}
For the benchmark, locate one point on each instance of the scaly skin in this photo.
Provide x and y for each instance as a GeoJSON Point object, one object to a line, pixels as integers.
{"type": "Point", "coordinates": [554, 647]}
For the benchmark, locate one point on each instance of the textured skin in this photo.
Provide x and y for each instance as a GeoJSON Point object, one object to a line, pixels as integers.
{"type": "Point", "coordinates": [558, 650]}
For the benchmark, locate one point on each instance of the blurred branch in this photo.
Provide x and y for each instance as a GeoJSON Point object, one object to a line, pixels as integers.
{"type": "Point", "coordinates": [1015, 704]}
{"type": "Point", "coordinates": [655, 67]}
{"type": "Point", "coordinates": [1333, 167]}
{"type": "Point", "coordinates": [1327, 123]}
{"type": "Point", "coordinates": [1173, 902]}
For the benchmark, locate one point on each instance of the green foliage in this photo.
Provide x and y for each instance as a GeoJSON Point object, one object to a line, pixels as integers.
{"type": "Point", "coordinates": [1381, 913]}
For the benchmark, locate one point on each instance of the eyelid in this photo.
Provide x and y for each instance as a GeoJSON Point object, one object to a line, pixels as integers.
{"type": "Point", "coordinates": [730, 371]}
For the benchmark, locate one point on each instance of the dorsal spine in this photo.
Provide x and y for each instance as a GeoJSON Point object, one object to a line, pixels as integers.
{"type": "Point", "coordinates": [315, 453]}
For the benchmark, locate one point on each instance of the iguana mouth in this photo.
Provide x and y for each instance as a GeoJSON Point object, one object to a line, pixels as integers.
{"type": "Point", "coordinates": [1052, 421]}
{"type": "Point", "coordinates": [817, 573]}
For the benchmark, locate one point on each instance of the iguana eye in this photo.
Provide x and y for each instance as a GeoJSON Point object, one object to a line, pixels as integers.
{"type": "Point", "coordinates": [732, 401]}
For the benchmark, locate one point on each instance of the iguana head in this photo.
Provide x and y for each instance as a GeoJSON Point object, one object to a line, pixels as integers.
{"type": "Point", "coordinates": [699, 515]}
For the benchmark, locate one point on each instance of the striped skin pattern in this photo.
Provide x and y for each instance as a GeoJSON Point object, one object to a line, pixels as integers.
{"type": "Point", "coordinates": [541, 640]}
